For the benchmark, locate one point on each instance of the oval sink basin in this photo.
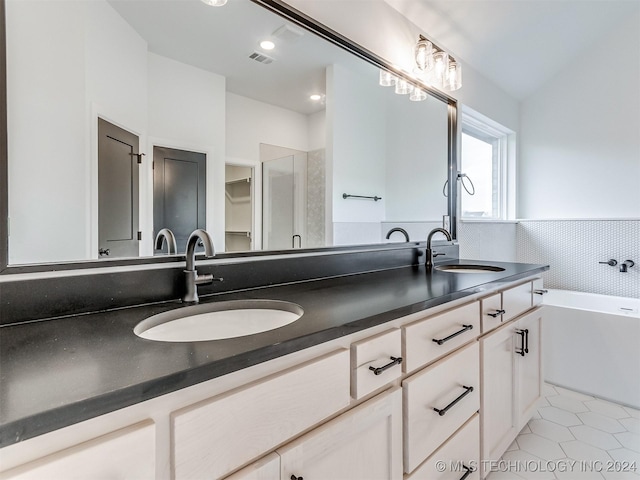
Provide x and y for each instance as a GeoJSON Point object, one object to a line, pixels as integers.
{"type": "Point", "coordinates": [461, 268]}
{"type": "Point", "coordinates": [217, 321]}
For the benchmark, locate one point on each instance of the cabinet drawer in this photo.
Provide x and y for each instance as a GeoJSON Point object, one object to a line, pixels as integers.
{"type": "Point", "coordinates": [427, 340]}
{"type": "Point", "coordinates": [452, 386]}
{"type": "Point", "coordinates": [516, 301]}
{"type": "Point", "coordinates": [491, 308]}
{"type": "Point", "coordinates": [126, 453]}
{"type": "Point", "coordinates": [215, 437]}
{"type": "Point", "coordinates": [538, 292]}
{"type": "Point", "coordinates": [461, 449]}
{"type": "Point", "coordinates": [375, 362]}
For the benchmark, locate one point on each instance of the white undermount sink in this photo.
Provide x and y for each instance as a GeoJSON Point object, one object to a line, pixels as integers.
{"type": "Point", "coordinates": [468, 268]}
{"type": "Point", "coordinates": [218, 320]}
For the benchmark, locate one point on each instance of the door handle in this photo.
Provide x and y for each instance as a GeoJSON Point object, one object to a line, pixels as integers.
{"type": "Point", "coordinates": [523, 349]}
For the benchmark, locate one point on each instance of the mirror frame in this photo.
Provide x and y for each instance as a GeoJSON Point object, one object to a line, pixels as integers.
{"type": "Point", "coordinates": [282, 9]}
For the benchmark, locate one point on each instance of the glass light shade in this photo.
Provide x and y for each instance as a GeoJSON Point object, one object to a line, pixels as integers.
{"type": "Point", "coordinates": [424, 54]}
{"type": "Point", "coordinates": [215, 3]}
{"type": "Point", "coordinates": [453, 76]}
{"type": "Point", "coordinates": [403, 87]}
{"type": "Point", "coordinates": [387, 79]}
{"type": "Point", "coordinates": [440, 65]}
{"type": "Point", "coordinates": [417, 95]}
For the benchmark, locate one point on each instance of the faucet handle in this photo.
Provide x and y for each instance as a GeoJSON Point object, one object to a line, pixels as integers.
{"type": "Point", "coordinates": [611, 262]}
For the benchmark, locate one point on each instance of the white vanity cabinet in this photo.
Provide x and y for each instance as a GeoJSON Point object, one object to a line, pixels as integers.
{"type": "Point", "coordinates": [392, 400]}
{"type": "Point", "coordinates": [511, 379]}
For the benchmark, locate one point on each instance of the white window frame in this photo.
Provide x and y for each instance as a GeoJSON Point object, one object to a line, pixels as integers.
{"type": "Point", "coordinates": [483, 128]}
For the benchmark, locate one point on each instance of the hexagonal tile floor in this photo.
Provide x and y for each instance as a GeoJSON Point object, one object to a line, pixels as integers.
{"type": "Point", "coordinates": [574, 436]}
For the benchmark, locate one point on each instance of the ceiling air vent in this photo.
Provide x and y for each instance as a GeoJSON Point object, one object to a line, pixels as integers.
{"type": "Point", "coordinates": [261, 57]}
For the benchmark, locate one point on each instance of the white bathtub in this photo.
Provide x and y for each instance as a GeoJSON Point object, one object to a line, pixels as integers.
{"type": "Point", "coordinates": [592, 344]}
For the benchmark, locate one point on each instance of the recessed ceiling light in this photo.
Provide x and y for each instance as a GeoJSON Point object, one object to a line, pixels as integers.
{"type": "Point", "coordinates": [214, 3]}
{"type": "Point", "coordinates": [315, 97]}
{"type": "Point", "coordinates": [267, 45]}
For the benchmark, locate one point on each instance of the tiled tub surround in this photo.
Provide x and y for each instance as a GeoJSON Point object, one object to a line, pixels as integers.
{"type": "Point", "coordinates": [573, 248]}
{"type": "Point", "coordinates": [92, 364]}
{"type": "Point", "coordinates": [575, 437]}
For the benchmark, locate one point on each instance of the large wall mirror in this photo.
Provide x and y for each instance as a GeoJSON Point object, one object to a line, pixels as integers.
{"type": "Point", "coordinates": [125, 117]}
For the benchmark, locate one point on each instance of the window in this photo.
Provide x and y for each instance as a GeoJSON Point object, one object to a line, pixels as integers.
{"type": "Point", "coordinates": [483, 169]}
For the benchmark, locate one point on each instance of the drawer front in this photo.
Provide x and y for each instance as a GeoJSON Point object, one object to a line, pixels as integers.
{"type": "Point", "coordinates": [516, 301]}
{"type": "Point", "coordinates": [432, 338]}
{"type": "Point", "coordinates": [491, 308]}
{"type": "Point", "coordinates": [538, 292]}
{"type": "Point", "coordinates": [126, 453]}
{"type": "Point", "coordinates": [460, 451]}
{"type": "Point", "coordinates": [375, 362]}
{"type": "Point", "coordinates": [444, 386]}
{"type": "Point", "coordinates": [213, 438]}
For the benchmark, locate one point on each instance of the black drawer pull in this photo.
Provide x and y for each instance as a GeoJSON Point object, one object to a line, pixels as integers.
{"type": "Point", "coordinates": [293, 477]}
{"type": "Point", "coordinates": [379, 370]}
{"type": "Point", "coordinates": [540, 291]}
{"type": "Point", "coordinates": [468, 390]}
{"type": "Point", "coordinates": [446, 339]}
{"type": "Point", "coordinates": [498, 312]}
{"type": "Point", "coordinates": [467, 473]}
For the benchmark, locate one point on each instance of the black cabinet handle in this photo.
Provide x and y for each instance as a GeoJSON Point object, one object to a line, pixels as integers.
{"type": "Point", "coordinates": [293, 477]}
{"type": "Point", "coordinates": [446, 339]}
{"type": "Point", "coordinates": [468, 390]}
{"type": "Point", "coordinates": [522, 348]}
{"type": "Point", "coordinates": [526, 340]}
{"type": "Point", "coordinates": [379, 370]}
{"type": "Point", "coordinates": [497, 312]}
{"type": "Point", "coordinates": [467, 473]}
{"type": "Point", "coordinates": [540, 291]}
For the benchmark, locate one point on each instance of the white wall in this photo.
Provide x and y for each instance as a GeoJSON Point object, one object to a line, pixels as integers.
{"type": "Point", "coordinates": [57, 82]}
{"type": "Point", "coordinates": [356, 120]}
{"type": "Point", "coordinates": [580, 135]}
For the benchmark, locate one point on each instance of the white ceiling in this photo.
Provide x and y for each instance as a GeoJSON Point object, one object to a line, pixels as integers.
{"type": "Point", "coordinates": [220, 40]}
{"type": "Point", "coordinates": [518, 44]}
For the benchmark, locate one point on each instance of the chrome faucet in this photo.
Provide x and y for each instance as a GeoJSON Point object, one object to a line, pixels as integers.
{"type": "Point", "coordinates": [401, 230]}
{"type": "Point", "coordinates": [624, 266]}
{"type": "Point", "coordinates": [167, 236]}
{"type": "Point", "coordinates": [192, 279]}
{"type": "Point", "coordinates": [429, 260]}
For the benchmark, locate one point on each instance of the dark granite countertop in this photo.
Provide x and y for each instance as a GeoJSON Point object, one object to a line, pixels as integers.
{"type": "Point", "coordinates": [58, 372]}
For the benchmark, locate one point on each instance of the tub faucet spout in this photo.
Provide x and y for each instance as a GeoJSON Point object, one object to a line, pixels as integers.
{"type": "Point", "coordinates": [626, 265]}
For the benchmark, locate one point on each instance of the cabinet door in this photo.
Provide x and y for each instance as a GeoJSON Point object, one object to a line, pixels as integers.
{"type": "Point", "coordinates": [529, 378]}
{"type": "Point", "coordinates": [267, 468]}
{"type": "Point", "coordinates": [364, 443]}
{"type": "Point", "coordinates": [497, 387]}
